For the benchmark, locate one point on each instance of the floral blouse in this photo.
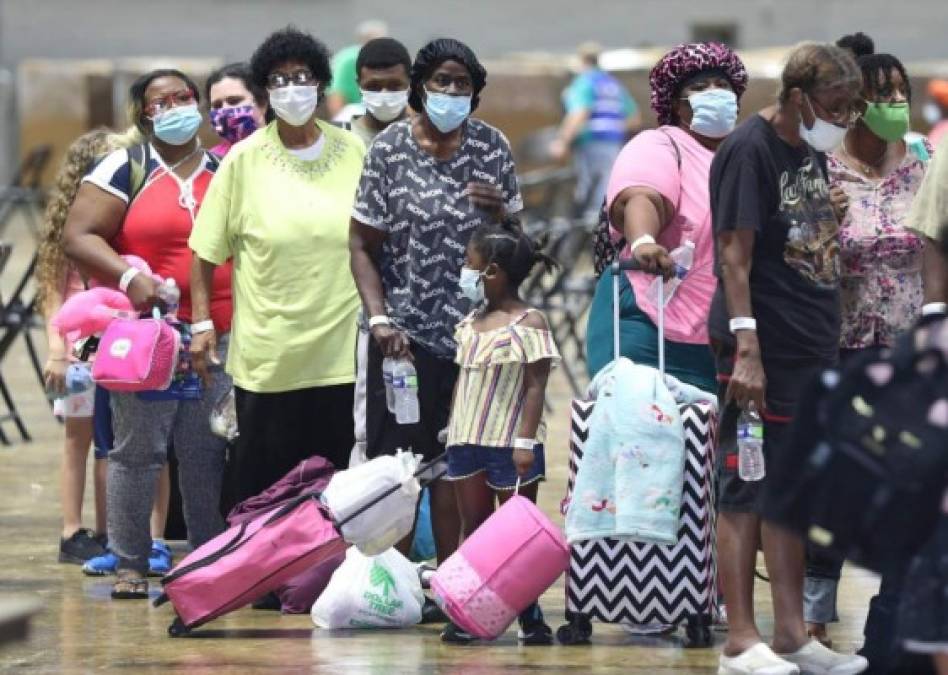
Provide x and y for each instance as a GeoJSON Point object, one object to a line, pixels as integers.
{"type": "Point", "coordinates": [881, 282]}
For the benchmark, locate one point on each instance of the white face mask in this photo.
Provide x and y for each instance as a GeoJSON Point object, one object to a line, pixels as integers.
{"type": "Point", "coordinates": [932, 113]}
{"type": "Point", "coordinates": [472, 285]}
{"type": "Point", "coordinates": [824, 136]}
{"type": "Point", "coordinates": [295, 104]}
{"type": "Point", "coordinates": [385, 106]}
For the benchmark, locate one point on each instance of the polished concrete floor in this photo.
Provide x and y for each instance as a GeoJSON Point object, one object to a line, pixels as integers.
{"type": "Point", "coordinates": [80, 630]}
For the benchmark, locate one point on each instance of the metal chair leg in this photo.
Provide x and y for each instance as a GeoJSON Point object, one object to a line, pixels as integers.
{"type": "Point", "coordinates": [14, 413]}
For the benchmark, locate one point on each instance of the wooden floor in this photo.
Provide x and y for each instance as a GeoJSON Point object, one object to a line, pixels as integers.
{"type": "Point", "coordinates": [80, 630]}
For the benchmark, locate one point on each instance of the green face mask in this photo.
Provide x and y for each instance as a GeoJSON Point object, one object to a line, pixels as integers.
{"type": "Point", "coordinates": [888, 121]}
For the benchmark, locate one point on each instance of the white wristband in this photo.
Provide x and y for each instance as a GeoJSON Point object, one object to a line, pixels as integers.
{"type": "Point", "coordinates": [205, 326]}
{"type": "Point", "coordinates": [934, 308]}
{"type": "Point", "coordinates": [742, 323]}
{"type": "Point", "coordinates": [525, 444]}
{"type": "Point", "coordinates": [379, 320]}
{"type": "Point", "coordinates": [126, 279]}
{"type": "Point", "coordinates": [644, 239]}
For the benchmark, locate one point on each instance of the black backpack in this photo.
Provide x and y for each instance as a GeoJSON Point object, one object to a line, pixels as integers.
{"type": "Point", "coordinates": [867, 466]}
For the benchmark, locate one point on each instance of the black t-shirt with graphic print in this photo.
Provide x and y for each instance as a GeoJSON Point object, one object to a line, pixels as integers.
{"type": "Point", "coordinates": [760, 182]}
{"type": "Point", "coordinates": [421, 204]}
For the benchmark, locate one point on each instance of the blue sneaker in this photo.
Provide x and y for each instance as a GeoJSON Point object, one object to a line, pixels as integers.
{"type": "Point", "coordinates": [101, 566]}
{"type": "Point", "coordinates": [159, 562]}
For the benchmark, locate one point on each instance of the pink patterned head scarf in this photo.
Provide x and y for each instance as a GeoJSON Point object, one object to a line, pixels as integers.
{"type": "Point", "coordinates": [684, 62]}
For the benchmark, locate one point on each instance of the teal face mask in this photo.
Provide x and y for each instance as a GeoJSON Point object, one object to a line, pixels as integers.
{"type": "Point", "coordinates": [447, 112]}
{"type": "Point", "coordinates": [177, 126]}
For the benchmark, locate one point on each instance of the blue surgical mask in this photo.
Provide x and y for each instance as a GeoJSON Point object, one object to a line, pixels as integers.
{"type": "Point", "coordinates": [714, 112]}
{"type": "Point", "coordinates": [472, 285]}
{"type": "Point", "coordinates": [447, 112]}
{"type": "Point", "coordinates": [178, 125]}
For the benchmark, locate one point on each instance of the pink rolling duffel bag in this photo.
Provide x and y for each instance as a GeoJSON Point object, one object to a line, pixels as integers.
{"type": "Point", "coordinates": [500, 569]}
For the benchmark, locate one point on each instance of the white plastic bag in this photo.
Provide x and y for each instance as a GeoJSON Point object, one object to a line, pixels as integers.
{"type": "Point", "coordinates": [381, 591]}
{"type": "Point", "coordinates": [385, 524]}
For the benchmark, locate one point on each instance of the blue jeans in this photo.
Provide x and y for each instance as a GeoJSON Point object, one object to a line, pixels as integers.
{"type": "Point", "coordinates": [465, 461]}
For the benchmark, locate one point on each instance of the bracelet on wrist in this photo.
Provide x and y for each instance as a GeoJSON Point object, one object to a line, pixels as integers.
{"type": "Point", "coordinates": [934, 308]}
{"type": "Point", "coordinates": [742, 323]}
{"type": "Point", "coordinates": [126, 279]}
{"type": "Point", "coordinates": [379, 320]}
{"type": "Point", "coordinates": [525, 444]}
{"type": "Point", "coordinates": [205, 326]}
{"type": "Point", "coordinates": [644, 239]}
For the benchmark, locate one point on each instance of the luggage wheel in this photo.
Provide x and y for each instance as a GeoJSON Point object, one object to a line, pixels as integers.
{"type": "Point", "coordinates": [178, 629]}
{"type": "Point", "coordinates": [576, 632]}
{"type": "Point", "coordinates": [698, 631]}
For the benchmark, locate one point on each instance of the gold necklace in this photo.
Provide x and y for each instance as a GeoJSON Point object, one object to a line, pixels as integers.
{"type": "Point", "coordinates": [867, 168]}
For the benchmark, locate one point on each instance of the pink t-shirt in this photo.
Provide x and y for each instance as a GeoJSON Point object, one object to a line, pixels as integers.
{"type": "Point", "coordinates": [649, 160]}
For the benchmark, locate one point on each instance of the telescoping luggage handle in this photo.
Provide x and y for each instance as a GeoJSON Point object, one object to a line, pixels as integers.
{"type": "Point", "coordinates": [617, 267]}
{"type": "Point", "coordinates": [238, 539]}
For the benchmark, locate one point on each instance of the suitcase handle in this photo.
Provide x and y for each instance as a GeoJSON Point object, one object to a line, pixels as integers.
{"type": "Point", "coordinates": [618, 266]}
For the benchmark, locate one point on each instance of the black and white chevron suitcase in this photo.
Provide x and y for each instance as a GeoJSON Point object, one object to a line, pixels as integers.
{"type": "Point", "coordinates": [633, 583]}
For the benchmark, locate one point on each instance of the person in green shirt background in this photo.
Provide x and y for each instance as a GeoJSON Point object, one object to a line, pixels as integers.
{"type": "Point", "coordinates": [344, 90]}
{"type": "Point", "coordinates": [600, 117]}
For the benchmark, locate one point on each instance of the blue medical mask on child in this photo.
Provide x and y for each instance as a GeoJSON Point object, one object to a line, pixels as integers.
{"type": "Point", "coordinates": [714, 112]}
{"type": "Point", "coordinates": [446, 112]}
{"type": "Point", "coordinates": [178, 125]}
{"type": "Point", "coordinates": [472, 285]}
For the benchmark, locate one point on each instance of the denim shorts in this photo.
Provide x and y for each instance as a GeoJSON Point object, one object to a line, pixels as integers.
{"type": "Point", "coordinates": [465, 461]}
{"type": "Point", "coordinates": [102, 437]}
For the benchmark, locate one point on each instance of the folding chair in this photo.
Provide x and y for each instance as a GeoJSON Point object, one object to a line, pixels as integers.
{"type": "Point", "coordinates": [15, 318]}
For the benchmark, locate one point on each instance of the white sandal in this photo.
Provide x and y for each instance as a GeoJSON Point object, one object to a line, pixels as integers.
{"type": "Point", "coordinates": [758, 660]}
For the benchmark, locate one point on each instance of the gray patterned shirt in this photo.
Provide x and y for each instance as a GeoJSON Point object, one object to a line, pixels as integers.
{"type": "Point", "coordinates": [417, 200]}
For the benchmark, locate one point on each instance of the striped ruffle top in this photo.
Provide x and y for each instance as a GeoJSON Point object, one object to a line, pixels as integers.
{"type": "Point", "coordinates": [488, 406]}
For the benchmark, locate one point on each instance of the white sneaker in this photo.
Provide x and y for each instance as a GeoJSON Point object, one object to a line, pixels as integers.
{"type": "Point", "coordinates": [758, 660]}
{"type": "Point", "coordinates": [815, 659]}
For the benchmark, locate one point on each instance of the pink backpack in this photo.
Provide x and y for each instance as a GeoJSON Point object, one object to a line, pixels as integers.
{"type": "Point", "coordinates": [137, 355]}
{"type": "Point", "coordinates": [499, 570]}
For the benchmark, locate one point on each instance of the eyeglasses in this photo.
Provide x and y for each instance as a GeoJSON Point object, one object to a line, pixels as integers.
{"type": "Point", "coordinates": [156, 106]}
{"type": "Point", "coordinates": [301, 78]}
{"type": "Point", "coordinates": [841, 115]}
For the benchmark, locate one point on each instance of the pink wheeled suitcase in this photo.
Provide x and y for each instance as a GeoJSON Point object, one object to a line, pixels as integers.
{"type": "Point", "coordinates": [499, 570]}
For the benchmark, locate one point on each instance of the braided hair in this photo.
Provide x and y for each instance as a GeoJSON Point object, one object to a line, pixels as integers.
{"type": "Point", "coordinates": [511, 249]}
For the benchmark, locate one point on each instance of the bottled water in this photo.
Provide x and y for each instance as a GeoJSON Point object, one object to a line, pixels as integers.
{"type": "Point", "coordinates": [170, 294]}
{"type": "Point", "coordinates": [388, 368]}
{"type": "Point", "coordinates": [405, 392]}
{"type": "Point", "coordinates": [79, 400]}
{"type": "Point", "coordinates": [750, 445]}
{"type": "Point", "coordinates": [684, 258]}
{"type": "Point", "coordinates": [223, 417]}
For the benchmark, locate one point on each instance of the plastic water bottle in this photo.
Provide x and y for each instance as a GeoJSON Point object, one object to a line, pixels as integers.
{"type": "Point", "coordinates": [684, 258]}
{"type": "Point", "coordinates": [388, 370]}
{"type": "Point", "coordinates": [170, 294]}
{"type": "Point", "coordinates": [405, 392]}
{"type": "Point", "coordinates": [223, 417]}
{"type": "Point", "coordinates": [750, 445]}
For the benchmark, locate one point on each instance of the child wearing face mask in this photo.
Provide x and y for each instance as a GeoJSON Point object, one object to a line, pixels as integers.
{"type": "Point", "coordinates": [505, 353]}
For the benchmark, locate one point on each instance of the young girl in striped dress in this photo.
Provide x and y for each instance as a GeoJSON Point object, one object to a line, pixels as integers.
{"type": "Point", "coordinates": [496, 430]}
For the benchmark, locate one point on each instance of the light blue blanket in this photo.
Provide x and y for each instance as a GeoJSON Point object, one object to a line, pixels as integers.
{"type": "Point", "coordinates": [630, 480]}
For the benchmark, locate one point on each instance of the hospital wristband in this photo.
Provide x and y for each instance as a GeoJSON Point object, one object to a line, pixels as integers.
{"type": "Point", "coordinates": [126, 279]}
{"type": "Point", "coordinates": [644, 239]}
{"type": "Point", "coordinates": [742, 323]}
{"type": "Point", "coordinates": [199, 327]}
{"type": "Point", "coordinates": [525, 444]}
{"type": "Point", "coordinates": [379, 320]}
{"type": "Point", "coordinates": [934, 308]}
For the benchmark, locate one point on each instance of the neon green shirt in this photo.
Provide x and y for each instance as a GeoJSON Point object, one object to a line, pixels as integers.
{"type": "Point", "coordinates": [285, 223]}
{"type": "Point", "coordinates": [345, 79]}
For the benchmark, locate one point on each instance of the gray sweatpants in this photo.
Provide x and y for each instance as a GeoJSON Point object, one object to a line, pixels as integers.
{"type": "Point", "coordinates": [143, 432]}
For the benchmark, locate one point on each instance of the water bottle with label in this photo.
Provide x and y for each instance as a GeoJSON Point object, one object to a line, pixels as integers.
{"type": "Point", "coordinates": [388, 369]}
{"type": "Point", "coordinates": [750, 445]}
{"type": "Point", "coordinates": [405, 390]}
{"type": "Point", "coordinates": [170, 294]}
{"type": "Point", "coordinates": [79, 400]}
{"type": "Point", "coordinates": [684, 258]}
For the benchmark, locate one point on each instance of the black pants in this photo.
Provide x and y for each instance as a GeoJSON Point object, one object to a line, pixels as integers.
{"type": "Point", "coordinates": [278, 431]}
{"type": "Point", "coordinates": [436, 378]}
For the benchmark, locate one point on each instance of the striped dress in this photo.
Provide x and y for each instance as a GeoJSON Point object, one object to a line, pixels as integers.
{"type": "Point", "coordinates": [488, 405]}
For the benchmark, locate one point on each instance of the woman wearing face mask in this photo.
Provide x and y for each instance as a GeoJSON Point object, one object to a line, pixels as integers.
{"type": "Point", "coordinates": [279, 207]}
{"type": "Point", "coordinates": [143, 204]}
{"type": "Point", "coordinates": [237, 107]}
{"type": "Point", "coordinates": [774, 325]}
{"type": "Point", "coordinates": [658, 200]}
{"type": "Point", "coordinates": [881, 287]}
{"type": "Point", "coordinates": [428, 183]}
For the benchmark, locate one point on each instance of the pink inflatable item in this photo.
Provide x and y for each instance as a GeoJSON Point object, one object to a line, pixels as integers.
{"type": "Point", "coordinates": [137, 355]}
{"type": "Point", "coordinates": [135, 262]}
{"type": "Point", "coordinates": [498, 571]}
{"type": "Point", "coordinates": [90, 312]}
